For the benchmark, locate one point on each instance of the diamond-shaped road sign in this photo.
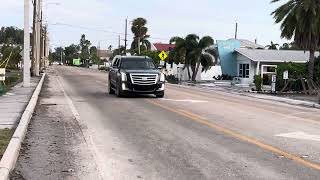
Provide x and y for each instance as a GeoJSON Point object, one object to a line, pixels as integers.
{"type": "Point", "coordinates": [163, 55]}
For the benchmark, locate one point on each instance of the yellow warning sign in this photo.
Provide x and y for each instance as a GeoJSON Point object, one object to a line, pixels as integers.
{"type": "Point", "coordinates": [163, 55]}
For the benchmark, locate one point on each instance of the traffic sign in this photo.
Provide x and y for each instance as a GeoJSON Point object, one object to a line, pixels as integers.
{"type": "Point", "coordinates": [286, 75]}
{"type": "Point", "coordinates": [163, 55]}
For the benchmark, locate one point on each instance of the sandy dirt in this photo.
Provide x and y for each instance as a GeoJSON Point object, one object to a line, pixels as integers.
{"type": "Point", "coordinates": [54, 147]}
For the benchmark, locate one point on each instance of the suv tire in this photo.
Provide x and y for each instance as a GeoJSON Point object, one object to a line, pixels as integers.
{"type": "Point", "coordinates": [110, 90]}
{"type": "Point", "coordinates": [161, 95]}
{"type": "Point", "coordinates": [119, 92]}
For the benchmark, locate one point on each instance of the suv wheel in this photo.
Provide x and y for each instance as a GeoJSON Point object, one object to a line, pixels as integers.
{"type": "Point", "coordinates": [110, 90]}
{"type": "Point", "coordinates": [160, 95]}
{"type": "Point", "coordinates": [119, 91]}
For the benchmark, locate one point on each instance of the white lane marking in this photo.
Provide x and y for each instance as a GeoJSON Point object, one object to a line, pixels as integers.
{"type": "Point", "coordinates": [184, 100]}
{"type": "Point", "coordinates": [300, 135]}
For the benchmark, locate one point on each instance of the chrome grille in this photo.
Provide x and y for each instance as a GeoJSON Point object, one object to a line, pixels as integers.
{"type": "Point", "coordinates": [144, 79]}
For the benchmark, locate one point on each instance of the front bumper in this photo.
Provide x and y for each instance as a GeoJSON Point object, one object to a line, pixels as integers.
{"type": "Point", "coordinates": [143, 89]}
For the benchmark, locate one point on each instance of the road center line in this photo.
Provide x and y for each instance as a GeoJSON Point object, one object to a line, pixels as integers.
{"type": "Point", "coordinates": [239, 136]}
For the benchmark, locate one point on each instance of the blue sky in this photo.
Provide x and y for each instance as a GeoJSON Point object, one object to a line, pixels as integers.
{"type": "Point", "coordinates": [104, 19]}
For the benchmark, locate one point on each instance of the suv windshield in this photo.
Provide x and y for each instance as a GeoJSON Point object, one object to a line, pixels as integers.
{"type": "Point", "coordinates": [138, 63]}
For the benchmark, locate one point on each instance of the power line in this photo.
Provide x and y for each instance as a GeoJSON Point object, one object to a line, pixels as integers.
{"type": "Point", "coordinates": [102, 30]}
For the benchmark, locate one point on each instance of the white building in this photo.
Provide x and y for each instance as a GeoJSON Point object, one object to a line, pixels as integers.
{"type": "Point", "coordinates": [251, 62]}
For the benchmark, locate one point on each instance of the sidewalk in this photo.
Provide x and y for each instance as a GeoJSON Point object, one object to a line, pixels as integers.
{"type": "Point", "coordinates": [245, 92]}
{"type": "Point", "coordinates": [13, 103]}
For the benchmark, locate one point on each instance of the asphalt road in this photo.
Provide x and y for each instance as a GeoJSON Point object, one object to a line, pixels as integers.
{"type": "Point", "coordinates": [193, 133]}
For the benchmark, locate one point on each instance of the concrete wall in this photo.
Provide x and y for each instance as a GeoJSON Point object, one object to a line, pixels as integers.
{"type": "Point", "coordinates": [208, 75]}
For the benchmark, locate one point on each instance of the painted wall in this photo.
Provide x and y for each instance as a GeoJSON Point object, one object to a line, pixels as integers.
{"type": "Point", "coordinates": [252, 66]}
{"type": "Point", "coordinates": [228, 59]}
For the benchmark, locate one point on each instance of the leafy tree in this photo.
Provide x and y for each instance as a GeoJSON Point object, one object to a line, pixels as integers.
{"type": "Point", "coordinates": [94, 56]}
{"type": "Point", "coordinates": [15, 57]}
{"type": "Point", "coordinates": [153, 55]}
{"type": "Point", "coordinates": [193, 52]}
{"type": "Point", "coordinates": [71, 52]}
{"type": "Point", "coordinates": [84, 46]}
{"type": "Point", "coordinates": [60, 57]}
{"type": "Point", "coordinates": [118, 51]}
{"type": "Point", "coordinates": [11, 35]}
{"type": "Point", "coordinates": [272, 46]}
{"type": "Point", "coordinates": [301, 19]}
{"type": "Point", "coordinates": [285, 46]}
{"type": "Point", "coordinates": [140, 38]}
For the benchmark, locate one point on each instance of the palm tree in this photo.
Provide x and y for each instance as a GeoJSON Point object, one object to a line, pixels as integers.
{"type": "Point", "coordinates": [301, 19]}
{"type": "Point", "coordinates": [193, 52]}
{"type": "Point", "coordinates": [140, 38]}
{"type": "Point", "coordinates": [272, 46]}
{"type": "Point", "coordinates": [285, 46]}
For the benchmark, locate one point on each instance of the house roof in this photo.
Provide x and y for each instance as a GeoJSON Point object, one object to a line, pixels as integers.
{"type": "Point", "coordinates": [163, 47]}
{"type": "Point", "coordinates": [104, 53]}
{"type": "Point", "coordinates": [249, 44]}
{"type": "Point", "coordinates": [275, 55]}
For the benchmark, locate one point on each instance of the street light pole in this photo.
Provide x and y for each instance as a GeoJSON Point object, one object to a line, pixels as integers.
{"type": "Point", "coordinates": [26, 52]}
{"type": "Point", "coordinates": [61, 57]}
{"type": "Point", "coordinates": [125, 38]}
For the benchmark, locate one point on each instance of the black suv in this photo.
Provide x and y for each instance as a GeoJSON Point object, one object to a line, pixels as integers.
{"type": "Point", "coordinates": [135, 74]}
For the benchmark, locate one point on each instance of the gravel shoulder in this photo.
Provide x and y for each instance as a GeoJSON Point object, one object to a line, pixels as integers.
{"type": "Point", "coordinates": [54, 147]}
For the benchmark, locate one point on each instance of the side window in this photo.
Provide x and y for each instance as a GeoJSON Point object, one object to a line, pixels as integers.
{"type": "Point", "coordinates": [115, 63]}
{"type": "Point", "coordinates": [244, 70]}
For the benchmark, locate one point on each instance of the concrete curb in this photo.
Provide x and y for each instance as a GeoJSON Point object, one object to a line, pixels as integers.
{"type": "Point", "coordinates": [11, 154]}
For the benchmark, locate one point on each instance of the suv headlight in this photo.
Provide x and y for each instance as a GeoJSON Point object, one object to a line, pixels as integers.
{"type": "Point", "coordinates": [162, 77]}
{"type": "Point", "coordinates": [123, 77]}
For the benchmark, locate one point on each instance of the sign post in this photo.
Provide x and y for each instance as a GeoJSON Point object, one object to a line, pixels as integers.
{"type": "Point", "coordinates": [273, 83]}
{"type": "Point", "coordinates": [2, 74]}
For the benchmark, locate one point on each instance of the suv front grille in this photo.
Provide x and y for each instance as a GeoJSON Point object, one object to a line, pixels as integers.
{"type": "Point", "coordinates": [144, 79]}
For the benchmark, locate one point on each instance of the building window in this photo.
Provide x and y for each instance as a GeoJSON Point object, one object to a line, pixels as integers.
{"type": "Point", "coordinates": [244, 70]}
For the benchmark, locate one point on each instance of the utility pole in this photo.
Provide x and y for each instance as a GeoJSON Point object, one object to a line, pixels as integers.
{"type": "Point", "coordinates": [34, 37]}
{"type": "Point", "coordinates": [26, 51]}
{"type": "Point", "coordinates": [139, 50]}
{"type": "Point", "coordinates": [119, 53]}
{"type": "Point", "coordinates": [126, 34]}
{"type": "Point", "coordinates": [236, 32]}
{"type": "Point", "coordinates": [38, 29]}
{"type": "Point", "coordinates": [61, 56]}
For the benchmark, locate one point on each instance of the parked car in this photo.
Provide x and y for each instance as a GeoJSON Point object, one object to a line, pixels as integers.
{"type": "Point", "coordinates": [135, 74]}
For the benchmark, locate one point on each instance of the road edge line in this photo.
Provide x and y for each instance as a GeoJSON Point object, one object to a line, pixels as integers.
{"type": "Point", "coordinates": [82, 125]}
{"type": "Point", "coordinates": [10, 156]}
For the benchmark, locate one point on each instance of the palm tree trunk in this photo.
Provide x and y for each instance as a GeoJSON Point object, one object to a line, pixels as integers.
{"type": "Point", "coordinates": [188, 70]}
{"type": "Point", "coordinates": [319, 95]}
{"type": "Point", "coordinates": [195, 73]}
{"type": "Point", "coordinates": [311, 65]}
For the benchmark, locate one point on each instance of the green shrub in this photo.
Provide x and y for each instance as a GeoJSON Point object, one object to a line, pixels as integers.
{"type": "Point", "coordinates": [296, 71]}
{"type": "Point", "coordinates": [172, 79]}
{"type": "Point", "coordinates": [103, 68]}
{"type": "Point", "coordinates": [258, 82]}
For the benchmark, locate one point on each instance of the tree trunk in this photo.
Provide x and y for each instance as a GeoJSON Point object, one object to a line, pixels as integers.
{"type": "Point", "coordinates": [195, 73]}
{"type": "Point", "coordinates": [188, 70]}
{"type": "Point", "coordinates": [311, 65]}
{"type": "Point", "coordinates": [193, 69]}
{"type": "Point", "coordinates": [319, 95]}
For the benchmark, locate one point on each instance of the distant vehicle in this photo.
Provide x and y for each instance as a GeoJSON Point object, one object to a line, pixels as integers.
{"type": "Point", "coordinates": [55, 63]}
{"type": "Point", "coordinates": [135, 74]}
